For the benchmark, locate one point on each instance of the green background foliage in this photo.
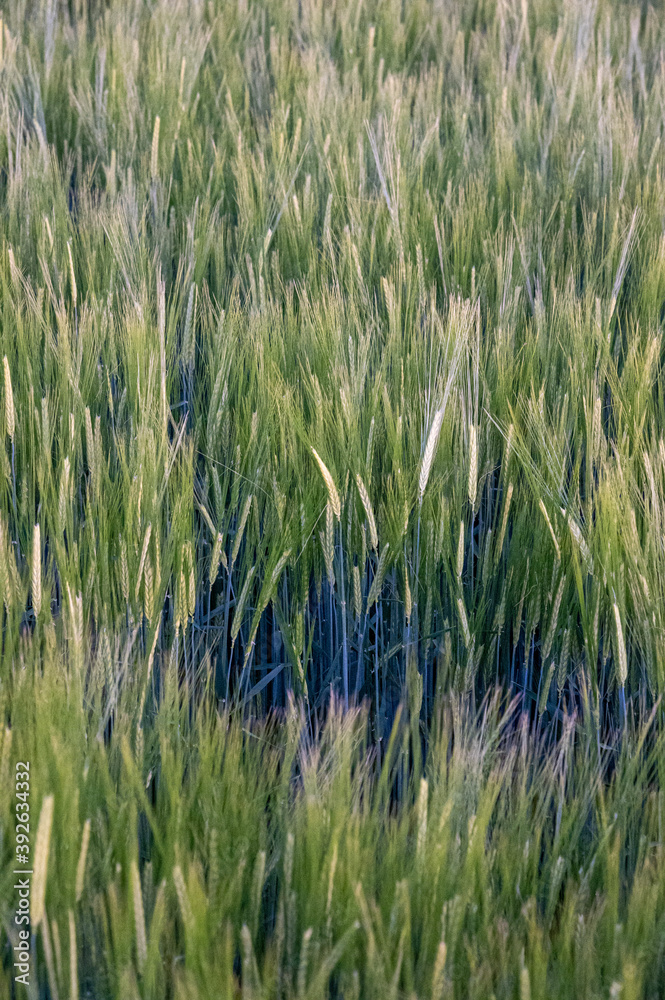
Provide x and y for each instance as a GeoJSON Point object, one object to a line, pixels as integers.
{"type": "Point", "coordinates": [424, 241]}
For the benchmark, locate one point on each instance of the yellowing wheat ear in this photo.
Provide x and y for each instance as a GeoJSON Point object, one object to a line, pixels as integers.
{"type": "Point", "coordinates": [438, 976]}
{"type": "Point", "coordinates": [460, 551]}
{"type": "Point", "coordinates": [72, 276]}
{"type": "Point", "coordinates": [430, 451]}
{"type": "Point", "coordinates": [144, 553]}
{"type": "Point", "coordinates": [36, 583]}
{"type": "Point", "coordinates": [473, 465]}
{"type": "Point", "coordinates": [215, 558]}
{"type": "Point", "coordinates": [154, 152]}
{"type": "Point", "coordinates": [42, 844]}
{"type": "Point", "coordinates": [333, 495]}
{"type": "Point", "coordinates": [83, 854]}
{"type": "Point", "coordinates": [622, 665]}
{"type": "Point", "coordinates": [10, 417]}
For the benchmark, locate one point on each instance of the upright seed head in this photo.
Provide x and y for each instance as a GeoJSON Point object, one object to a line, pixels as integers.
{"type": "Point", "coordinates": [144, 553]}
{"type": "Point", "coordinates": [357, 593]}
{"type": "Point", "coordinates": [154, 152]}
{"type": "Point", "coordinates": [377, 582]}
{"type": "Point", "coordinates": [83, 854]}
{"type": "Point", "coordinates": [40, 865]}
{"type": "Point", "coordinates": [329, 545]}
{"type": "Point", "coordinates": [622, 665]}
{"type": "Point", "coordinates": [244, 514]}
{"type": "Point", "coordinates": [430, 451]}
{"type": "Point", "coordinates": [36, 582]}
{"type": "Point", "coordinates": [408, 604]}
{"type": "Point", "coordinates": [240, 606]}
{"type": "Point", "coordinates": [333, 495]}
{"type": "Point", "coordinates": [369, 513]}
{"type": "Point", "coordinates": [63, 496]}
{"type": "Point", "coordinates": [460, 551]}
{"type": "Point", "coordinates": [466, 632]}
{"type": "Point", "coordinates": [10, 417]}
{"type": "Point", "coordinates": [72, 276]}
{"type": "Point", "coordinates": [438, 977]}
{"type": "Point", "coordinates": [543, 510]}
{"type": "Point", "coordinates": [215, 558]}
{"type": "Point", "coordinates": [422, 819]}
{"type": "Point", "coordinates": [191, 582]}
{"type": "Point", "coordinates": [89, 443]}
{"type": "Point", "coordinates": [45, 430]}
{"type": "Point", "coordinates": [596, 430]}
{"type": "Point", "coordinates": [148, 590]}
{"type": "Point", "coordinates": [186, 911]}
{"type": "Point", "coordinates": [279, 566]}
{"type": "Point", "coordinates": [473, 465]}
{"type": "Point", "coordinates": [124, 571]}
{"type": "Point", "coordinates": [576, 532]}
{"type": "Point", "coordinates": [183, 598]}
{"type": "Point", "coordinates": [509, 444]}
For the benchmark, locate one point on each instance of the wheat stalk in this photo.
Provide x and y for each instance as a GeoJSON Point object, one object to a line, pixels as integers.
{"type": "Point", "coordinates": [73, 959]}
{"type": "Point", "coordinates": [48, 955]}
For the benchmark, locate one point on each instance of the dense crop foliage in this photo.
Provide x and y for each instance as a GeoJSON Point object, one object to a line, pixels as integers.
{"type": "Point", "coordinates": [331, 338]}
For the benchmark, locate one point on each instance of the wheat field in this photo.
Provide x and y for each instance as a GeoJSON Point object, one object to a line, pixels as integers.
{"type": "Point", "coordinates": [332, 498]}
